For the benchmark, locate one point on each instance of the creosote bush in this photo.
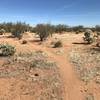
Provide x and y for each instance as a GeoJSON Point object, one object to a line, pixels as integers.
{"type": "Point", "coordinates": [6, 50]}
{"type": "Point", "coordinates": [57, 44]}
{"type": "Point", "coordinates": [18, 30]}
{"type": "Point", "coordinates": [44, 30]}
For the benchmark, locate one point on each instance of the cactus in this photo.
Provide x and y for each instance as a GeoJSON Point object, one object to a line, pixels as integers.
{"type": "Point", "coordinates": [88, 36]}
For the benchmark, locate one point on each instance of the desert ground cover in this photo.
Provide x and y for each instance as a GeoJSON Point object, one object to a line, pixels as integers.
{"type": "Point", "coordinates": [29, 75]}
{"type": "Point", "coordinates": [86, 61]}
{"type": "Point", "coordinates": [38, 71]}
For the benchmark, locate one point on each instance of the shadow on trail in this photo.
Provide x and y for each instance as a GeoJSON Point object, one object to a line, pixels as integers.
{"type": "Point", "coordinates": [34, 41]}
{"type": "Point", "coordinates": [80, 43]}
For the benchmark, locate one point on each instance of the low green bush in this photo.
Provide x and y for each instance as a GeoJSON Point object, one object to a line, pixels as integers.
{"type": "Point", "coordinates": [44, 31]}
{"type": "Point", "coordinates": [57, 44]}
{"type": "Point", "coordinates": [6, 50]}
{"type": "Point", "coordinates": [2, 31]}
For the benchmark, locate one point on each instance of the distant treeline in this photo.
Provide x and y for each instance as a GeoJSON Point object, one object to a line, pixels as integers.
{"type": "Point", "coordinates": [9, 27]}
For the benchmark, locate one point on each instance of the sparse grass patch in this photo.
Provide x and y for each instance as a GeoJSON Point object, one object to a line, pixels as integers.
{"type": "Point", "coordinates": [42, 63]}
{"type": "Point", "coordinates": [87, 63]}
{"type": "Point", "coordinates": [43, 73]}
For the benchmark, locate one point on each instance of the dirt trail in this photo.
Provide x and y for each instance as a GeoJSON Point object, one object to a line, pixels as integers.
{"type": "Point", "coordinates": [72, 84]}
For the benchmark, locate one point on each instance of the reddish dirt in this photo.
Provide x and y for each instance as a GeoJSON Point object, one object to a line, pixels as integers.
{"type": "Point", "coordinates": [72, 84]}
{"type": "Point", "coordinates": [74, 88]}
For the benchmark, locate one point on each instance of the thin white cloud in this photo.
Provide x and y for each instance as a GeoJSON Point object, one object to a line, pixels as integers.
{"type": "Point", "coordinates": [65, 7]}
{"type": "Point", "coordinates": [75, 2]}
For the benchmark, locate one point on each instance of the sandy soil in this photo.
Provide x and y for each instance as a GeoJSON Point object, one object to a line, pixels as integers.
{"type": "Point", "coordinates": [75, 89]}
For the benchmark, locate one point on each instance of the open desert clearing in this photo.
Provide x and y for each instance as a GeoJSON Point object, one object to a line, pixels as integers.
{"type": "Point", "coordinates": [41, 81]}
{"type": "Point", "coordinates": [50, 50]}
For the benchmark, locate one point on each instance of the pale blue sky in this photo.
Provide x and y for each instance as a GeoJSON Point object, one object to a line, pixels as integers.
{"type": "Point", "coordinates": [70, 12]}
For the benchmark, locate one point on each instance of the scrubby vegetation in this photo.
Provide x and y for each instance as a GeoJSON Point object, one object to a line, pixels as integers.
{"type": "Point", "coordinates": [6, 50]}
{"type": "Point", "coordinates": [39, 71]}
{"type": "Point", "coordinates": [44, 30]}
{"type": "Point", "coordinates": [61, 28]}
{"type": "Point", "coordinates": [8, 27]}
{"type": "Point", "coordinates": [78, 29]}
{"type": "Point", "coordinates": [18, 29]}
{"type": "Point", "coordinates": [2, 31]}
{"type": "Point", "coordinates": [86, 61]}
{"type": "Point", "coordinates": [42, 76]}
{"type": "Point", "coordinates": [57, 44]}
{"type": "Point", "coordinates": [88, 36]}
{"type": "Point", "coordinates": [97, 28]}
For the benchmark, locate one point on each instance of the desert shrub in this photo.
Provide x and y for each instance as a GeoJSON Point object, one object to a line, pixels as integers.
{"type": "Point", "coordinates": [24, 42]}
{"type": "Point", "coordinates": [79, 28]}
{"type": "Point", "coordinates": [57, 44]}
{"type": "Point", "coordinates": [60, 28]}
{"type": "Point", "coordinates": [17, 34]}
{"type": "Point", "coordinates": [2, 31]}
{"type": "Point", "coordinates": [97, 28]}
{"type": "Point", "coordinates": [88, 36]}
{"type": "Point", "coordinates": [18, 30]}
{"type": "Point", "coordinates": [6, 50]}
{"type": "Point", "coordinates": [9, 26]}
{"type": "Point", "coordinates": [43, 30]}
{"type": "Point", "coordinates": [77, 32]}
